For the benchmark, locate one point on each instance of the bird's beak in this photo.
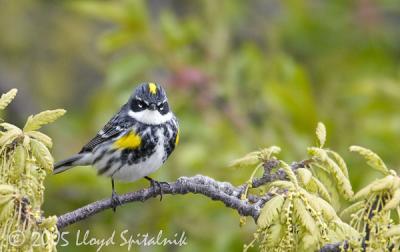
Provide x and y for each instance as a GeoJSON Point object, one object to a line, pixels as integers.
{"type": "Point", "coordinates": [152, 106]}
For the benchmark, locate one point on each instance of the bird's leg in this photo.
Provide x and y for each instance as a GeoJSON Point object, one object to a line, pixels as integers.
{"type": "Point", "coordinates": [114, 197]}
{"type": "Point", "coordinates": [154, 183]}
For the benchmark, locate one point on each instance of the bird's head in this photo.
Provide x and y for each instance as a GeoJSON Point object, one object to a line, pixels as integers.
{"type": "Point", "coordinates": [149, 104]}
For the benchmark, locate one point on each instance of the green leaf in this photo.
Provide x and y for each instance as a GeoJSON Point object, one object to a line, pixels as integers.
{"type": "Point", "coordinates": [9, 126]}
{"type": "Point", "coordinates": [250, 160]}
{"type": "Point", "coordinates": [304, 175]}
{"type": "Point", "coordinates": [321, 134]}
{"type": "Point", "coordinates": [372, 158]}
{"type": "Point", "coordinates": [321, 205]}
{"type": "Point", "coordinates": [46, 140]}
{"type": "Point", "coordinates": [276, 232]}
{"type": "Point", "coordinates": [19, 158]}
{"type": "Point", "coordinates": [385, 183]}
{"type": "Point", "coordinates": [37, 121]}
{"type": "Point", "coordinates": [340, 162]}
{"type": "Point", "coordinates": [321, 189]}
{"type": "Point", "coordinates": [6, 98]}
{"type": "Point", "coordinates": [9, 136]}
{"type": "Point", "coordinates": [42, 155]}
{"type": "Point", "coordinates": [270, 211]}
{"type": "Point", "coordinates": [304, 216]}
{"type": "Point", "coordinates": [289, 172]}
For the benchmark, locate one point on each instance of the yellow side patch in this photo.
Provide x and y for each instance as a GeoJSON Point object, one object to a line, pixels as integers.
{"type": "Point", "coordinates": [177, 138]}
{"type": "Point", "coordinates": [130, 141]}
{"type": "Point", "coordinates": [152, 88]}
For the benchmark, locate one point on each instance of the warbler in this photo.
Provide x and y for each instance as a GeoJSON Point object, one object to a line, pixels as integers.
{"type": "Point", "coordinates": [134, 143]}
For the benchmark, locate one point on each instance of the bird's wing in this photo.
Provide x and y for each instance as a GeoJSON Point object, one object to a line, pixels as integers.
{"type": "Point", "coordinates": [113, 128]}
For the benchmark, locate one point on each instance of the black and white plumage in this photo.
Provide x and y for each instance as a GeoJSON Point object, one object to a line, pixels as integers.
{"type": "Point", "coordinates": [135, 142]}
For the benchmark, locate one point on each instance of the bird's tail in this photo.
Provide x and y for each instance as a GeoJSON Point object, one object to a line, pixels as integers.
{"type": "Point", "coordinates": [78, 159]}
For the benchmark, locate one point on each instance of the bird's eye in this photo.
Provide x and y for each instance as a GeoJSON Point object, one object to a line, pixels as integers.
{"type": "Point", "coordinates": [140, 104]}
{"type": "Point", "coordinates": [163, 108]}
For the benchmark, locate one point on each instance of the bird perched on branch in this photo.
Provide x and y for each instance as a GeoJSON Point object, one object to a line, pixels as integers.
{"type": "Point", "coordinates": [134, 143]}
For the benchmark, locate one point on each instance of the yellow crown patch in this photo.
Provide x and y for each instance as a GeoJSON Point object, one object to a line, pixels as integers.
{"type": "Point", "coordinates": [152, 88]}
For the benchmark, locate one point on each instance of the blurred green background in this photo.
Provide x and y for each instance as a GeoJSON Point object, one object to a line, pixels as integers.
{"type": "Point", "coordinates": [240, 75]}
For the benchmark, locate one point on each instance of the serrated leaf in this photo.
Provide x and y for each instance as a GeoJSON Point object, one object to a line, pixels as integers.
{"type": "Point", "coordinates": [304, 216]}
{"type": "Point", "coordinates": [340, 162]}
{"type": "Point", "coordinates": [42, 155]}
{"type": "Point", "coordinates": [6, 98]}
{"type": "Point", "coordinates": [275, 234]}
{"type": "Point", "coordinates": [270, 211]}
{"type": "Point", "coordinates": [289, 172]}
{"type": "Point", "coordinates": [321, 189]}
{"type": "Point", "coordinates": [9, 126]}
{"type": "Point", "coordinates": [304, 175]}
{"type": "Point", "coordinates": [46, 140]}
{"type": "Point", "coordinates": [37, 121]}
{"type": "Point", "coordinates": [9, 136]}
{"type": "Point", "coordinates": [321, 134]}
{"type": "Point", "coordinates": [19, 159]}
{"type": "Point", "coordinates": [250, 160]}
{"type": "Point", "coordinates": [317, 203]}
{"type": "Point", "coordinates": [317, 153]}
{"type": "Point", "coordinates": [267, 153]}
{"type": "Point", "coordinates": [378, 185]}
{"type": "Point", "coordinates": [329, 184]}
{"type": "Point", "coordinates": [342, 182]}
{"type": "Point", "coordinates": [385, 183]}
{"type": "Point", "coordinates": [372, 158]}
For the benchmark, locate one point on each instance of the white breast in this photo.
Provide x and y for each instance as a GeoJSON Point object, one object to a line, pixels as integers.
{"type": "Point", "coordinates": [137, 171]}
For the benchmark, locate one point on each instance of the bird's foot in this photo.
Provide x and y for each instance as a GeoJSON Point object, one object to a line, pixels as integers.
{"type": "Point", "coordinates": [157, 185]}
{"type": "Point", "coordinates": [115, 201]}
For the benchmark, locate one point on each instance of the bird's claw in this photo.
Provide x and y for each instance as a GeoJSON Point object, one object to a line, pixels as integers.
{"type": "Point", "coordinates": [157, 184]}
{"type": "Point", "coordinates": [115, 201]}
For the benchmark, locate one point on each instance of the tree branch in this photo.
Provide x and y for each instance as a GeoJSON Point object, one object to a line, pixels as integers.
{"type": "Point", "coordinates": [199, 184]}
{"type": "Point", "coordinates": [224, 192]}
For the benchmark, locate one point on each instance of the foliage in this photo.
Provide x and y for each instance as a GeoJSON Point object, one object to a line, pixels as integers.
{"type": "Point", "coordinates": [25, 162]}
{"type": "Point", "coordinates": [300, 215]}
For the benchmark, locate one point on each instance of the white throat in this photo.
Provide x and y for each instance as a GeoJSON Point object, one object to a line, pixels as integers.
{"type": "Point", "coordinates": [150, 116]}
